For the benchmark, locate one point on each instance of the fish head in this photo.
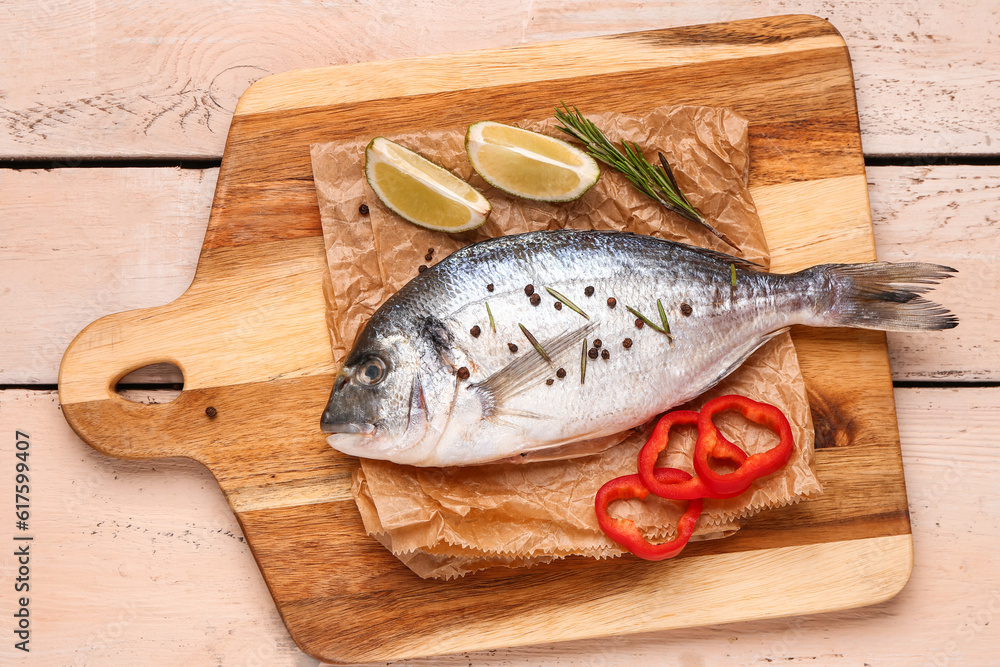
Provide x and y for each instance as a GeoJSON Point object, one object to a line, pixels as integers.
{"type": "Point", "coordinates": [378, 407]}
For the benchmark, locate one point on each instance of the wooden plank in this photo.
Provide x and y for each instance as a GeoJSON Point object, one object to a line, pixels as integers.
{"type": "Point", "coordinates": [156, 543]}
{"type": "Point", "coordinates": [129, 239]}
{"type": "Point", "coordinates": [949, 215]}
{"type": "Point", "coordinates": [167, 82]}
{"type": "Point", "coordinates": [79, 244]}
{"type": "Point", "coordinates": [798, 640]}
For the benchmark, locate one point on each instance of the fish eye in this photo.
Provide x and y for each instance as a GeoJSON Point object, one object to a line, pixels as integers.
{"type": "Point", "coordinates": [371, 372]}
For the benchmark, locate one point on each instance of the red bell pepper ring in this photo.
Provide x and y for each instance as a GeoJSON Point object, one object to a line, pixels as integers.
{"type": "Point", "coordinates": [625, 532]}
{"type": "Point", "coordinates": [668, 485]}
{"type": "Point", "coordinates": [757, 465]}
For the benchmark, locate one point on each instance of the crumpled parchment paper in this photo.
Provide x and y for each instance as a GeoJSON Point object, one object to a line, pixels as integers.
{"type": "Point", "coordinates": [447, 522]}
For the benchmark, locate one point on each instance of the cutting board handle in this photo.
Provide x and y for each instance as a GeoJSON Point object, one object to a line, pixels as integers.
{"type": "Point", "coordinates": [102, 354]}
{"type": "Point", "coordinates": [250, 317]}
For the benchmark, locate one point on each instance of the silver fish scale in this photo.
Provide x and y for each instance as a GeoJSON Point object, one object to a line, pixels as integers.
{"type": "Point", "coordinates": [634, 384]}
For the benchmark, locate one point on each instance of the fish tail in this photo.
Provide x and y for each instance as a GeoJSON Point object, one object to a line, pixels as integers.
{"type": "Point", "coordinates": [880, 295]}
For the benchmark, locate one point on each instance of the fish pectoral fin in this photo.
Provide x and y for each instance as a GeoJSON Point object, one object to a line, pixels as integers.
{"type": "Point", "coordinates": [498, 414]}
{"type": "Point", "coordinates": [571, 450]}
{"type": "Point", "coordinates": [528, 369]}
{"type": "Point", "coordinates": [744, 356]}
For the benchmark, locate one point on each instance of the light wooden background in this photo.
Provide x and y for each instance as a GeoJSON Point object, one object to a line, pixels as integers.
{"type": "Point", "coordinates": [114, 117]}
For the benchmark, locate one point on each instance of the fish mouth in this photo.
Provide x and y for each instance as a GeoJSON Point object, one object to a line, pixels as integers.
{"type": "Point", "coordinates": [347, 427]}
{"type": "Point", "coordinates": [352, 444]}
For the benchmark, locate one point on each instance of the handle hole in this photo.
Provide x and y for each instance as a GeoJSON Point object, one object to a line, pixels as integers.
{"type": "Point", "coordinates": [155, 383]}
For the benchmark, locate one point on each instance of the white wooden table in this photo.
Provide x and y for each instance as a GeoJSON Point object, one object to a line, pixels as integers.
{"type": "Point", "coordinates": [114, 117]}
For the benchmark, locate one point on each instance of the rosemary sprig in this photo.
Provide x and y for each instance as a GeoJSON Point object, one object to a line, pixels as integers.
{"type": "Point", "coordinates": [657, 183]}
{"type": "Point", "coordinates": [583, 362]}
{"type": "Point", "coordinates": [663, 319]}
{"type": "Point", "coordinates": [534, 342]}
{"type": "Point", "coordinates": [569, 303]}
{"type": "Point", "coordinates": [665, 330]}
{"type": "Point", "coordinates": [493, 325]}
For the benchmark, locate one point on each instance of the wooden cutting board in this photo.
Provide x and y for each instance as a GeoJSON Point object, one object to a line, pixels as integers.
{"type": "Point", "coordinates": [250, 338]}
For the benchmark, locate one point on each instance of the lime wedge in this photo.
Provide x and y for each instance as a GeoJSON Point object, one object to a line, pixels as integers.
{"type": "Point", "coordinates": [421, 191]}
{"type": "Point", "coordinates": [528, 164]}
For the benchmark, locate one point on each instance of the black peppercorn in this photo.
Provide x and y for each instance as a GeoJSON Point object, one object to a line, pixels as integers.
{"type": "Point", "coordinates": [421, 268]}
{"type": "Point", "coordinates": [535, 299]}
{"type": "Point", "coordinates": [685, 309]}
{"type": "Point", "coordinates": [529, 289]}
{"type": "Point", "coordinates": [475, 331]}
{"type": "Point", "coordinates": [597, 343]}
{"type": "Point", "coordinates": [463, 373]}
{"type": "Point", "coordinates": [489, 288]}
{"type": "Point", "coordinates": [513, 348]}
{"type": "Point", "coordinates": [561, 373]}
{"type": "Point", "coordinates": [605, 355]}
{"type": "Point", "coordinates": [211, 412]}
{"type": "Point", "coordinates": [549, 382]}
{"type": "Point", "coordinates": [589, 291]}
{"type": "Point", "coordinates": [363, 209]}
{"type": "Point", "coordinates": [592, 353]}
{"type": "Point", "coordinates": [627, 343]}
{"type": "Point", "coordinates": [558, 305]}
{"type": "Point", "coordinates": [612, 302]}
{"type": "Point", "coordinates": [639, 323]}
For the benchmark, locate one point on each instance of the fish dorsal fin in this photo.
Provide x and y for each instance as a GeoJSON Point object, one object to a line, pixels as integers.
{"type": "Point", "coordinates": [723, 257]}
{"type": "Point", "coordinates": [525, 371]}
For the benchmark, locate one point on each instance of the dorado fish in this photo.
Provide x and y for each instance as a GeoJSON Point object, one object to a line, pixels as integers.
{"type": "Point", "coordinates": [543, 343]}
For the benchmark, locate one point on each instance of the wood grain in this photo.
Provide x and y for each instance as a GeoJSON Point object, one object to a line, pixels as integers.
{"type": "Point", "coordinates": [76, 213]}
{"type": "Point", "coordinates": [178, 584]}
{"type": "Point", "coordinates": [531, 64]}
{"type": "Point", "coordinates": [262, 251]}
{"type": "Point", "coordinates": [793, 100]}
{"type": "Point", "coordinates": [135, 79]}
